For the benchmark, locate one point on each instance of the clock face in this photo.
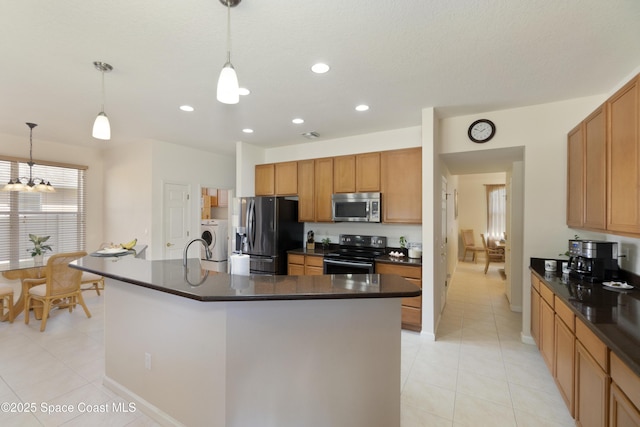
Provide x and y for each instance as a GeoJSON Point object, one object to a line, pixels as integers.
{"type": "Point", "coordinates": [481, 130]}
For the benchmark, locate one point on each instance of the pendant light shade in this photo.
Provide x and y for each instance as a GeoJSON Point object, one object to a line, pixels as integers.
{"type": "Point", "coordinates": [101, 126]}
{"type": "Point", "coordinates": [228, 88]}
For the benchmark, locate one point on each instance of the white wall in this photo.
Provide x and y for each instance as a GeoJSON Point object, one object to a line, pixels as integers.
{"type": "Point", "coordinates": [18, 146]}
{"type": "Point", "coordinates": [135, 176]}
{"type": "Point", "coordinates": [173, 163]}
{"type": "Point", "coordinates": [127, 195]}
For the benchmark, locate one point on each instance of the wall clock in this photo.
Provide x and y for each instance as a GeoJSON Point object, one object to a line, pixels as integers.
{"type": "Point", "coordinates": [481, 131]}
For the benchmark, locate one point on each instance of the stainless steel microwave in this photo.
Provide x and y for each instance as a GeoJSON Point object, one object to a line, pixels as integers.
{"type": "Point", "coordinates": [358, 207]}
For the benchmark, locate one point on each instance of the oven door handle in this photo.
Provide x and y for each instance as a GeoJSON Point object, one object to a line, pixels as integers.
{"type": "Point", "coordinates": [348, 263]}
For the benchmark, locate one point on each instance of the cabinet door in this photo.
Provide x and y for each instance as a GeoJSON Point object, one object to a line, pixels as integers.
{"type": "Point", "coordinates": [368, 172]}
{"type": "Point", "coordinates": [623, 210]}
{"type": "Point", "coordinates": [323, 189]}
{"type": "Point", "coordinates": [564, 354]}
{"type": "Point", "coordinates": [595, 171]}
{"type": "Point", "coordinates": [295, 270]}
{"type": "Point", "coordinates": [547, 333]}
{"type": "Point", "coordinates": [286, 179]}
{"type": "Point", "coordinates": [313, 265]}
{"type": "Point", "coordinates": [575, 177]}
{"type": "Point", "coordinates": [265, 180]}
{"type": "Point", "coordinates": [592, 390]}
{"type": "Point", "coordinates": [401, 185]}
{"type": "Point", "coordinates": [344, 174]}
{"type": "Point", "coordinates": [622, 411]}
{"type": "Point", "coordinates": [223, 198]}
{"type": "Point", "coordinates": [306, 200]}
{"type": "Point", "coordinates": [535, 316]}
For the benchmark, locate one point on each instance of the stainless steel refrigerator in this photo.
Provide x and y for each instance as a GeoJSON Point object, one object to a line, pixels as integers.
{"type": "Point", "coordinates": [271, 229]}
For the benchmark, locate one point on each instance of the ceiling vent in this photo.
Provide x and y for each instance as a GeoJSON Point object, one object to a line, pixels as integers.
{"type": "Point", "coordinates": [311, 135]}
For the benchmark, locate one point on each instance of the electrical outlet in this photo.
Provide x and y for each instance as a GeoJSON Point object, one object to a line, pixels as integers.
{"type": "Point", "coordinates": [147, 361]}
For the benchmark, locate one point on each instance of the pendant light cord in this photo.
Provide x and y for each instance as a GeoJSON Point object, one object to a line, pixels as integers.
{"type": "Point", "coordinates": [103, 96]}
{"type": "Point", "coordinates": [228, 31]}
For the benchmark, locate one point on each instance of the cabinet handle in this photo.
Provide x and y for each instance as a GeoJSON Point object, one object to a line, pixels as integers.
{"type": "Point", "coordinates": [169, 244]}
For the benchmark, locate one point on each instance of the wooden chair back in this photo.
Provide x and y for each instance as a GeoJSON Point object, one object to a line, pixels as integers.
{"type": "Point", "coordinates": [467, 238]}
{"type": "Point", "coordinates": [61, 279]}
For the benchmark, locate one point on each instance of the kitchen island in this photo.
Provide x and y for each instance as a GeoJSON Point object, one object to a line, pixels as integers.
{"type": "Point", "coordinates": [193, 347]}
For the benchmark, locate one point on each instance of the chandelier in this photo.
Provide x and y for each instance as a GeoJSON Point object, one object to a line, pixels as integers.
{"type": "Point", "coordinates": [29, 184]}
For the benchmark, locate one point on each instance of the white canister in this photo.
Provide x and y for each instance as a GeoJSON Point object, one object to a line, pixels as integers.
{"type": "Point", "coordinates": [239, 264]}
{"type": "Point", "coordinates": [550, 265]}
{"type": "Point", "coordinates": [415, 250]}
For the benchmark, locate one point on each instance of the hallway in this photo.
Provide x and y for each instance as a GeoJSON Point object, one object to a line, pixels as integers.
{"type": "Point", "coordinates": [477, 372]}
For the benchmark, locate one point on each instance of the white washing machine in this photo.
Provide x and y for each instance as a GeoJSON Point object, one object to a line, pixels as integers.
{"type": "Point", "coordinates": [214, 232]}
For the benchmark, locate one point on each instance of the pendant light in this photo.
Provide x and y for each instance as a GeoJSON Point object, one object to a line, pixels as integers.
{"type": "Point", "coordinates": [101, 127]}
{"type": "Point", "coordinates": [29, 184]}
{"type": "Point", "coordinates": [228, 87]}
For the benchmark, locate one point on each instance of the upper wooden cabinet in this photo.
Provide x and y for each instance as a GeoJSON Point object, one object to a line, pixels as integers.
{"type": "Point", "coordinates": [286, 178]}
{"type": "Point", "coordinates": [401, 185]}
{"type": "Point", "coordinates": [368, 172]}
{"type": "Point", "coordinates": [276, 179]}
{"type": "Point", "coordinates": [344, 174]}
{"type": "Point", "coordinates": [595, 169]}
{"type": "Point", "coordinates": [323, 187]}
{"type": "Point", "coordinates": [265, 180]}
{"type": "Point", "coordinates": [623, 150]}
{"type": "Point", "coordinates": [575, 177]}
{"type": "Point", "coordinates": [306, 191]}
{"type": "Point", "coordinates": [603, 166]}
{"type": "Point", "coordinates": [356, 174]}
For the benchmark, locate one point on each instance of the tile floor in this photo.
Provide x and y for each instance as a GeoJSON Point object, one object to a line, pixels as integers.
{"type": "Point", "coordinates": [477, 373]}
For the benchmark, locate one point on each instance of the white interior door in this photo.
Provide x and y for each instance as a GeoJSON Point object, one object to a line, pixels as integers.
{"type": "Point", "coordinates": [176, 214]}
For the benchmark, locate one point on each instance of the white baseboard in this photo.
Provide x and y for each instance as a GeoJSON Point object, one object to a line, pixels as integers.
{"type": "Point", "coordinates": [527, 339]}
{"type": "Point", "coordinates": [152, 411]}
{"type": "Point", "coordinates": [515, 308]}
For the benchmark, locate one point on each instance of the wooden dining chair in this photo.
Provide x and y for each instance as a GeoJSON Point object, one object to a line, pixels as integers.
{"type": "Point", "coordinates": [90, 281]}
{"type": "Point", "coordinates": [59, 288]}
{"type": "Point", "coordinates": [470, 245]}
{"type": "Point", "coordinates": [491, 255]}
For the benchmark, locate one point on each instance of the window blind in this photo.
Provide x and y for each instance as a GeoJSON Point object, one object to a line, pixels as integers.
{"type": "Point", "coordinates": [61, 215]}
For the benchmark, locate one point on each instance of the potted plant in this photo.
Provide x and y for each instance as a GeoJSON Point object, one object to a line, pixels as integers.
{"type": "Point", "coordinates": [39, 248]}
{"type": "Point", "coordinates": [325, 242]}
{"type": "Point", "coordinates": [310, 240]}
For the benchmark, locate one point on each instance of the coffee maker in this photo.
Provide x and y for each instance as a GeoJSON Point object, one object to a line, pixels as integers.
{"type": "Point", "coordinates": [593, 261]}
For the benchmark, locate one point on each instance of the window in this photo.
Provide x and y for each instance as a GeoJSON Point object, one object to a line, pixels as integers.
{"type": "Point", "coordinates": [496, 211]}
{"type": "Point", "coordinates": [61, 215]}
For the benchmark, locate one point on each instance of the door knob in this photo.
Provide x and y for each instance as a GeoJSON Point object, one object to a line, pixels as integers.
{"type": "Point", "coordinates": [169, 244]}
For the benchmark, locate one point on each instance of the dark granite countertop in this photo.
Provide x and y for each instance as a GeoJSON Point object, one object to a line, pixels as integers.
{"type": "Point", "coordinates": [203, 285]}
{"type": "Point", "coordinates": [385, 259]}
{"type": "Point", "coordinates": [614, 316]}
{"type": "Point", "coordinates": [312, 252]}
{"type": "Point", "coordinates": [405, 260]}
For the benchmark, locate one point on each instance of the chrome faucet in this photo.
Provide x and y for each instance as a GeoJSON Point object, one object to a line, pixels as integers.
{"type": "Point", "coordinates": [207, 251]}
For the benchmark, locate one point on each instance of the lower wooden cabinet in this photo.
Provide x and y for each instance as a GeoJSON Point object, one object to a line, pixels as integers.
{"type": "Point", "coordinates": [547, 328]}
{"type": "Point", "coordinates": [622, 412]}
{"type": "Point", "coordinates": [624, 399]}
{"type": "Point", "coordinates": [304, 265]}
{"type": "Point", "coordinates": [411, 307]}
{"type": "Point", "coordinates": [592, 390]}
{"type": "Point", "coordinates": [564, 362]}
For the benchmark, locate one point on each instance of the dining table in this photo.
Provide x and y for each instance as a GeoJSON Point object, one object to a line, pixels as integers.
{"type": "Point", "coordinates": [24, 269]}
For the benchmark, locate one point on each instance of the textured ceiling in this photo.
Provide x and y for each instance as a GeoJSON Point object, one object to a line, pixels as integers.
{"type": "Point", "coordinates": [398, 56]}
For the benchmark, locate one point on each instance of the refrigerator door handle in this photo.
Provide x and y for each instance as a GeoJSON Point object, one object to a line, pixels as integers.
{"type": "Point", "coordinates": [251, 224]}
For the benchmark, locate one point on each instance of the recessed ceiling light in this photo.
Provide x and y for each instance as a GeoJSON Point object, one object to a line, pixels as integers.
{"type": "Point", "coordinates": [362, 107]}
{"type": "Point", "coordinates": [247, 130]}
{"type": "Point", "coordinates": [187, 108]}
{"type": "Point", "coordinates": [244, 91]}
{"type": "Point", "coordinates": [320, 68]}
{"type": "Point", "coordinates": [297, 121]}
